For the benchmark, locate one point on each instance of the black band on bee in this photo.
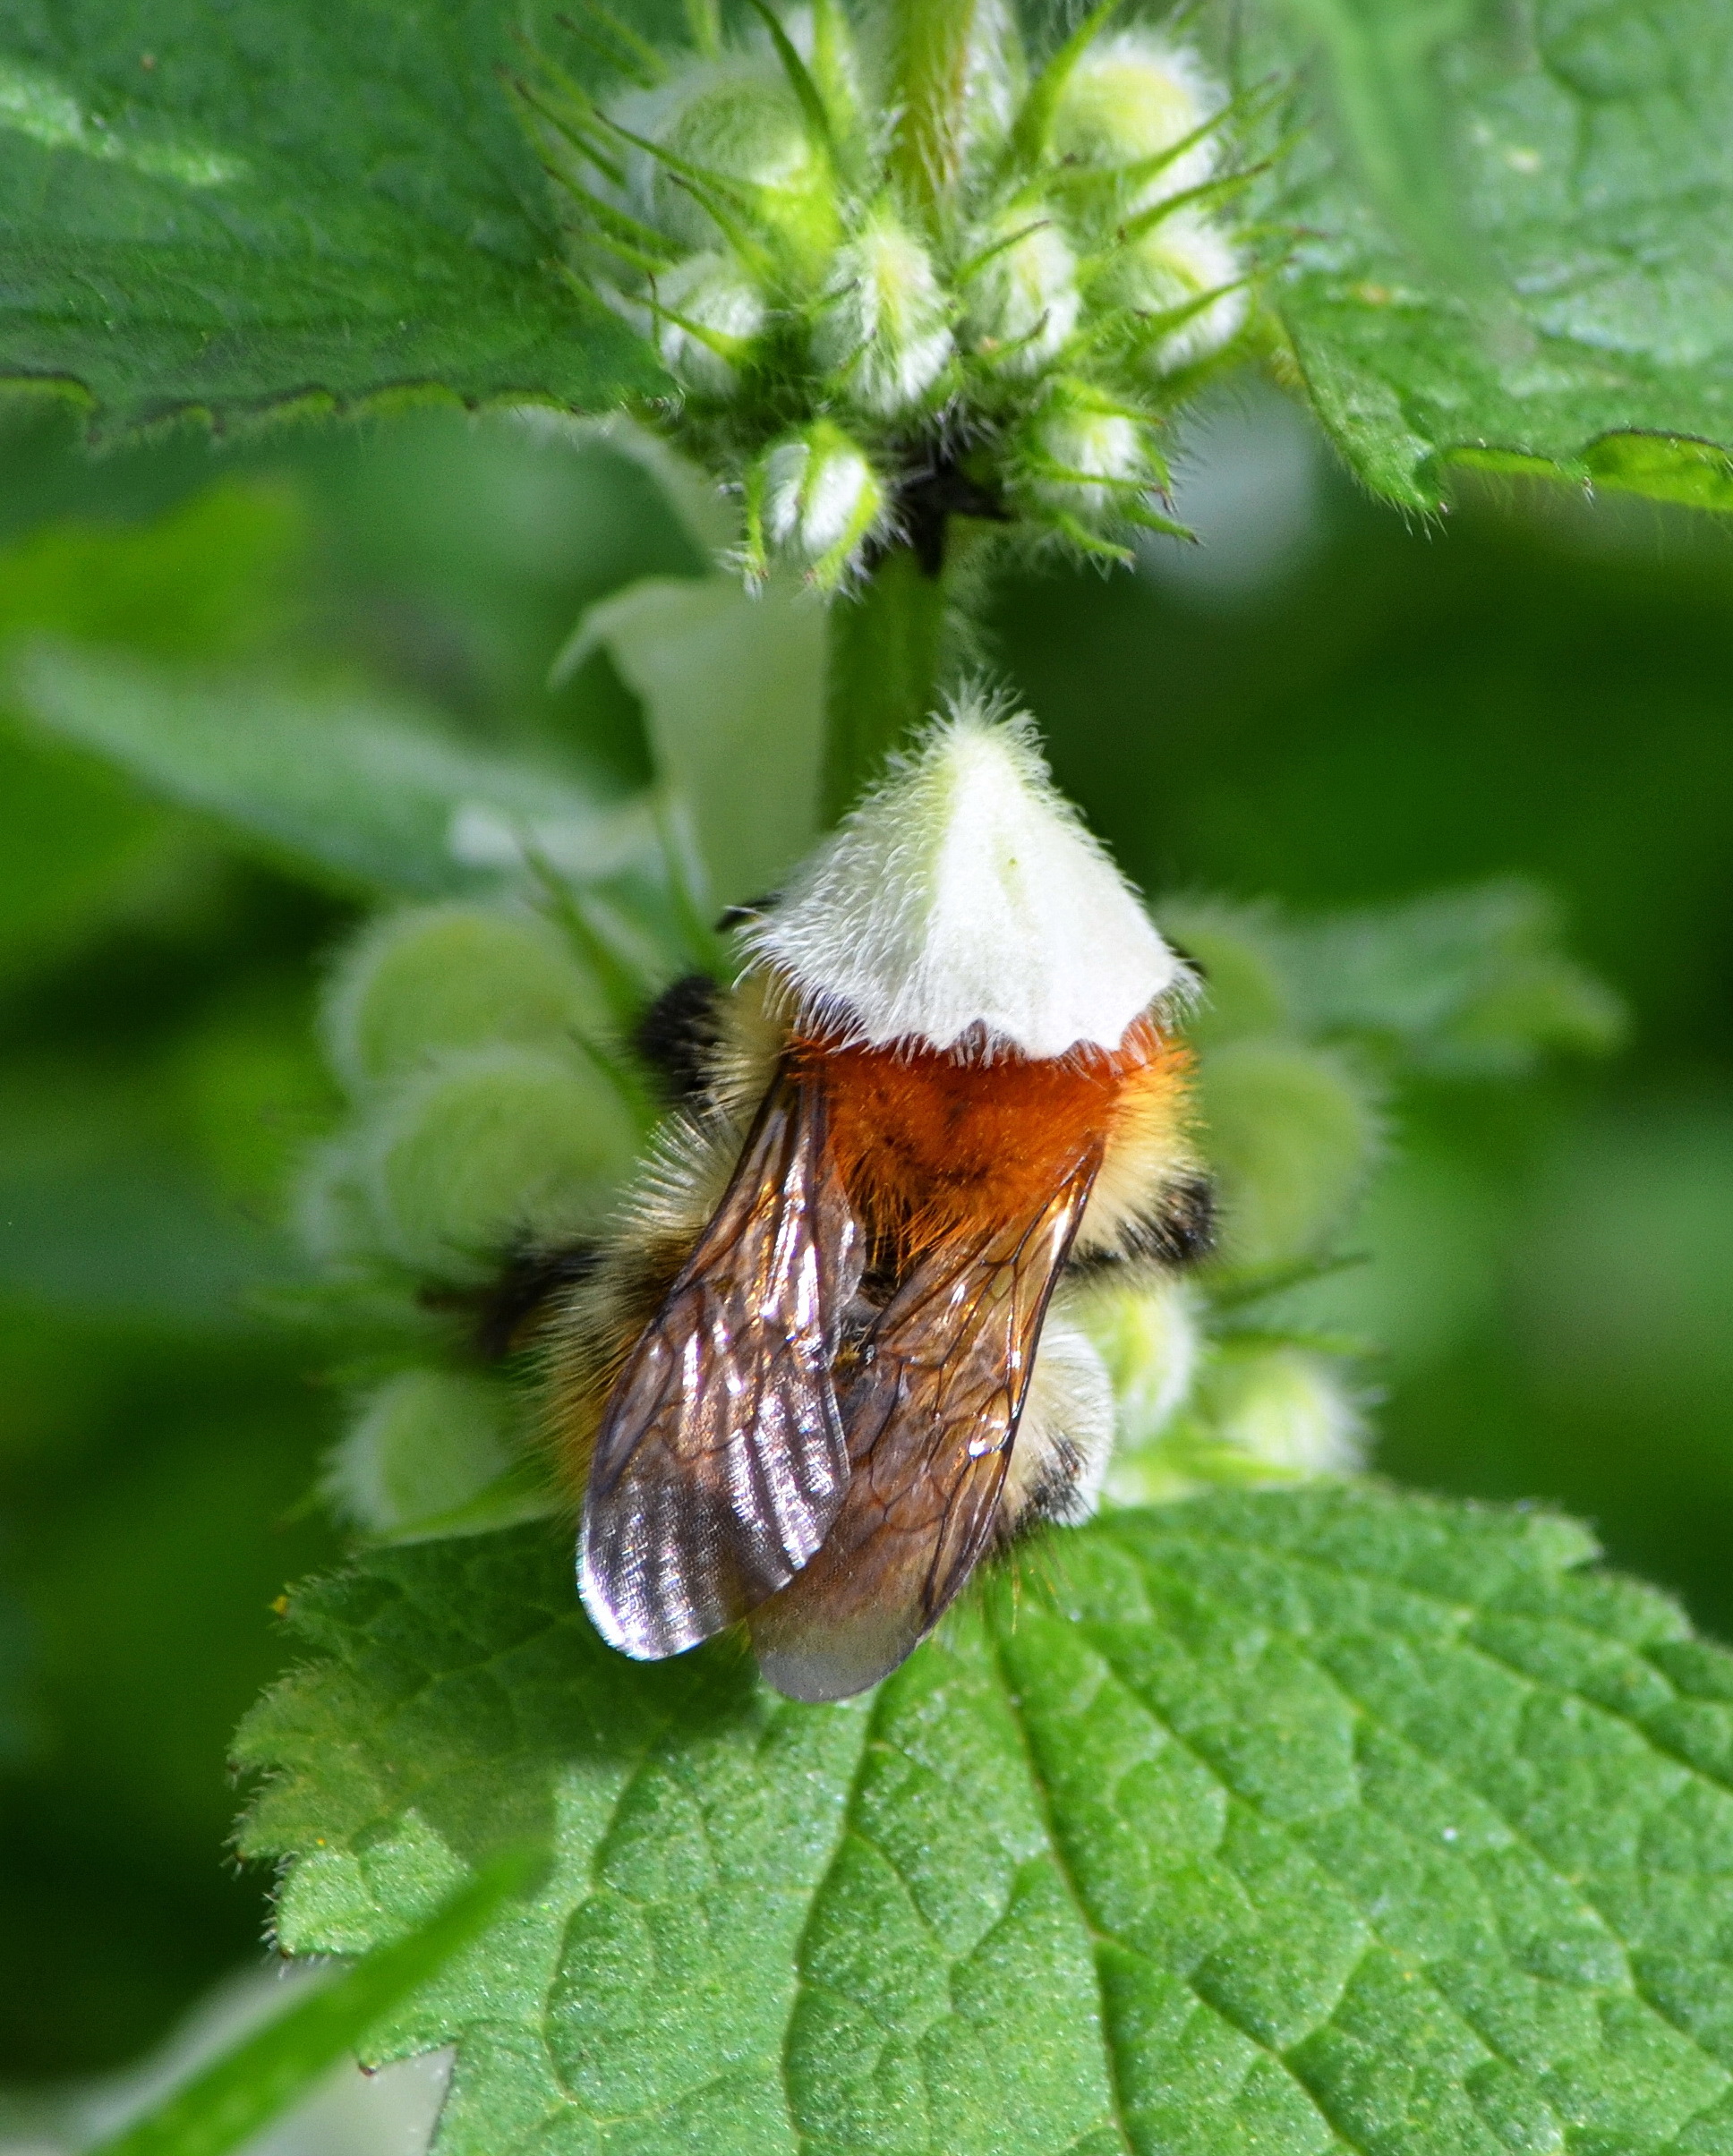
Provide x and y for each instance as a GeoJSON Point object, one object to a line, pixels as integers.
{"type": "Point", "coordinates": [678, 1034]}
{"type": "Point", "coordinates": [1178, 1228]}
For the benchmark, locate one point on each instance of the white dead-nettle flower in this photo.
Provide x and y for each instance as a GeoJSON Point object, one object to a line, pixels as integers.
{"type": "Point", "coordinates": [818, 500]}
{"type": "Point", "coordinates": [707, 311]}
{"type": "Point", "coordinates": [964, 893]}
{"type": "Point", "coordinates": [1187, 270]}
{"type": "Point", "coordinates": [1021, 293]}
{"type": "Point", "coordinates": [885, 327]}
{"type": "Point", "coordinates": [1132, 99]}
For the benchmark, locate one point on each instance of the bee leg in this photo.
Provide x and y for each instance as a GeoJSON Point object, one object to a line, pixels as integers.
{"type": "Point", "coordinates": [1064, 1439]}
{"type": "Point", "coordinates": [504, 1313]}
{"type": "Point", "coordinates": [678, 1034]}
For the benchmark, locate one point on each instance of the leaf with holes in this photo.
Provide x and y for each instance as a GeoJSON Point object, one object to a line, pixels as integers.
{"type": "Point", "coordinates": [287, 200]}
{"type": "Point", "coordinates": [1585, 324]}
{"type": "Point", "coordinates": [1295, 1822]}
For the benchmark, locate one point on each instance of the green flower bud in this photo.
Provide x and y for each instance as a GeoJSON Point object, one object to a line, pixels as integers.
{"type": "Point", "coordinates": [884, 330]}
{"type": "Point", "coordinates": [417, 984]}
{"type": "Point", "coordinates": [1286, 1409]}
{"type": "Point", "coordinates": [1290, 1132]}
{"type": "Point", "coordinates": [1021, 293]}
{"type": "Point", "coordinates": [491, 1145]}
{"type": "Point", "coordinates": [1183, 279]}
{"type": "Point", "coordinates": [1086, 458]}
{"type": "Point", "coordinates": [1243, 990]}
{"type": "Point", "coordinates": [709, 310]}
{"type": "Point", "coordinates": [734, 119]}
{"type": "Point", "coordinates": [816, 501]}
{"type": "Point", "coordinates": [1133, 99]}
{"type": "Point", "coordinates": [421, 1445]}
{"type": "Point", "coordinates": [1148, 1338]}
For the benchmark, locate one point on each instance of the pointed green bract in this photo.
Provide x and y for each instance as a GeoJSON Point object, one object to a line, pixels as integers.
{"type": "Point", "coordinates": [1279, 1823]}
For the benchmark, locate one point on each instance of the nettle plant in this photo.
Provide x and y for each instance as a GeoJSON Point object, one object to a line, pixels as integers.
{"type": "Point", "coordinates": [1271, 1808]}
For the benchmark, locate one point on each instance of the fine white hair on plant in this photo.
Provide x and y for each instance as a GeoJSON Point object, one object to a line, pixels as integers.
{"type": "Point", "coordinates": [1186, 278]}
{"type": "Point", "coordinates": [964, 897]}
{"type": "Point", "coordinates": [1134, 98]}
{"type": "Point", "coordinates": [885, 327]}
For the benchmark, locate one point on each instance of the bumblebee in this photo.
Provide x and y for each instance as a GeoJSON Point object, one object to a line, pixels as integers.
{"type": "Point", "coordinates": [823, 1367]}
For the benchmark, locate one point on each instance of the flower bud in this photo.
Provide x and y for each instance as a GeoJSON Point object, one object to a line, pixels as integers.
{"type": "Point", "coordinates": [1087, 457]}
{"type": "Point", "coordinates": [421, 1445]}
{"type": "Point", "coordinates": [488, 1146]}
{"type": "Point", "coordinates": [436, 977]}
{"type": "Point", "coordinates": [1286, 1409]}
{"type": "Point", "coordinates": [1183, 280]}
{"type": "Point", "coordinates": [885, 325]}
{"type": "Point", "coordinates": [1147, 1336]}
{"type": "Point", "coordinates": [1290, 1133]}
{"type": "Point", "coordinates": [817, 499]}
{"type": "Point", "coordinates": [1130, 99]}
{"type": "Point", "coordinates": [710, 309]}
{"type": "Point", "coordinates": [1021, 295]}
{"type": "Point", "coordinates": [739, 120]}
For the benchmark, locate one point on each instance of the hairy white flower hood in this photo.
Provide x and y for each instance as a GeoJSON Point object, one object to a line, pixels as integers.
{"type": "Point", "coordinates": [964, 891]}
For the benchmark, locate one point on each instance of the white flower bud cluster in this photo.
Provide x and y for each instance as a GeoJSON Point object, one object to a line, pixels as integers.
{"type": "Point", "coordinates": [857, 295]}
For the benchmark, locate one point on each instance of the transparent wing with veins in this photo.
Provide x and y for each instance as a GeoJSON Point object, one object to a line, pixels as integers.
{"type": "Point", "coordinates": [931, 1416]}
{"type": "Point", "coordinates": [720, 1460]}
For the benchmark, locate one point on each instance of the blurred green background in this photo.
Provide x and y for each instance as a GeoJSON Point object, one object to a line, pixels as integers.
{"type": "Point", "coordinates": [1321, 706]}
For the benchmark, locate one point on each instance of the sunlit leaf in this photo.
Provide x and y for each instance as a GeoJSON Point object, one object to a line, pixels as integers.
{"type": "Point", "coordinates": [1586, 151]}
{"type": "Point", "coordinates": [323, 205]}
{"type": "Point", "coordinates": [1282, 1823]}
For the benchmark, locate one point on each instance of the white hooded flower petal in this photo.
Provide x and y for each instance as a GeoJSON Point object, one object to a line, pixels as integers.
{"type": "Point", "coordinates": [964, 892]}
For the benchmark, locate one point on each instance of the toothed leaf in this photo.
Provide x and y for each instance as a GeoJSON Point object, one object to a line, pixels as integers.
{"type": "Point", "coordinates": [1288, 1823]}
{"type": "Point", "coordinates": [326, 205]}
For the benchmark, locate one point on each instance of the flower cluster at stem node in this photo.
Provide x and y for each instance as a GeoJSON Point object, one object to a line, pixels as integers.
{"type": "Point", "coordinates": [867, 259]}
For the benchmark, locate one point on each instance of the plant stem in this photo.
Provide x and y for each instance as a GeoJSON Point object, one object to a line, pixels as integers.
{"type": "Point", "coordinates": [930, 42]}
{"type": "Point", "coordinates": [882, 675]}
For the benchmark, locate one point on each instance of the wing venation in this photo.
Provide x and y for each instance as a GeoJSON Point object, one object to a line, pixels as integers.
{"type": "Point", "coordinates": [721, 1460]}
{"type": "Point", "coordinates": [931, 1416]}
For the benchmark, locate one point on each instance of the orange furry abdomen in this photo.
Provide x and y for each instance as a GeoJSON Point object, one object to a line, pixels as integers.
{"type": "Point", "coordinates": [931, 1144]}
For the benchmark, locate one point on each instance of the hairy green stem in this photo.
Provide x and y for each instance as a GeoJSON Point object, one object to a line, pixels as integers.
{"type": "Point", "coordinates": [882, 677]}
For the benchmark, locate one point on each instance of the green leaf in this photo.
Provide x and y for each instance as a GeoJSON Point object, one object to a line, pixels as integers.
{"type": "Point", "coordinates": [327, 204]}
{"type": "Point", "coordinates": [76, 842]}
{"type": "Point", "coordinates": [1585, 146]}
{"type": "Point", "coordinates": [245, 2091]}
{"type": "Point", "coordinates": [732, 685]}
{"type": "Point", "coordinates": [374, 789]}
{"type": "Point", "coordinates": [1282, 1823]}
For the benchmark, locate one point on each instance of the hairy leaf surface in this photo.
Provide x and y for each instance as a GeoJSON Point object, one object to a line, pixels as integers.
{"type": "Point", "coordinates": [1335, 1819]}
{"type": "Point", "coordinates": [1561, 297]}
{"type": "Point", "coordinates": [278, 201]}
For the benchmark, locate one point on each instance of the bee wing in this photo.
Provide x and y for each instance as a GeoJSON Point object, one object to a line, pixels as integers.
{"type": "Point", "coordinates": [931, 1416]}
{"type": "Point", "coordinates": [720, 1460]}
